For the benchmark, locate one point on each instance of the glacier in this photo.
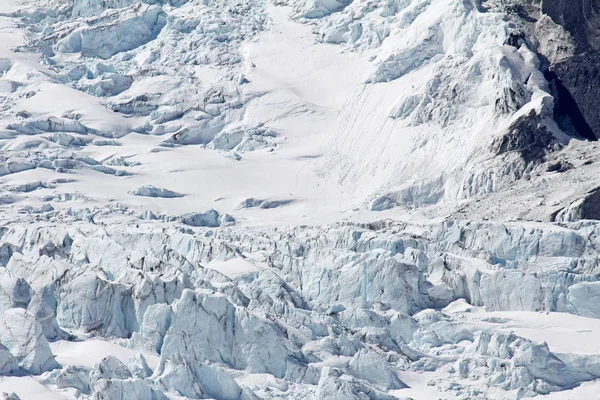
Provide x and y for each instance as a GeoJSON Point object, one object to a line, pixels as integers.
{"type": "Point", "coordinates": [326, 311]}
{"type": "Point", "coordinates": [307, 199]}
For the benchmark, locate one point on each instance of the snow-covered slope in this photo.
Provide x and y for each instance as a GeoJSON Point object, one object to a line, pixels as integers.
{"type": "Point", "coordinates": [259, 199]}
{"type": "Point", "coordinates": [376, 106]}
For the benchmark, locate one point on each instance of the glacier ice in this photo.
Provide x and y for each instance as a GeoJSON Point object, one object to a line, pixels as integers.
{"type": "Point", "coordinates": [8, 362]}
{"type": "Point", "coordinates": [91, 304]}
{"type": "Point", "coordinates": [153, 191]}
{"type": "Point", "coordinates": [22, 335]}
{"type": "Point", "coordinates": [111, 379]}
{"type": "Point", "coordinates": [319, 8]}
{"type": "Point", "coordinates": [309, 327]}
{"type": "Point", "coordinates": [113, 31]}
{"type": "Point", "coordinates": [434, 109]}
{"type": "Point", "coordinates": [73, 377]}
{"type": "Point", "coordinates": [150, 62]}
{"type": "Point", "coordinates": [210, 218]}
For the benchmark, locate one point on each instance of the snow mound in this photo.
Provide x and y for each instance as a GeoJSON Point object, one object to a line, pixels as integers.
{"type": "Point", "coordinates": [152, 191]}
{"type": "Point", "coordinates": [251, 202]}
{"type": "Point", "coordinates": [210, 218]}
{"type": "Point", "coordinates": [243, 139]}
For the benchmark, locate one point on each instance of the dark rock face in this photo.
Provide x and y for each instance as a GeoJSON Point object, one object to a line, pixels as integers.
{"type": "Point", "coordinates": [561, 166]}
{"type": "Point", "coordinates": [577, 80]}
{"type": "Point", "coordinates": [590, 208]}
{"type": "Point", "coordinates": [581, 18]}
{"type": "Point", "coordinates": [528, 136]}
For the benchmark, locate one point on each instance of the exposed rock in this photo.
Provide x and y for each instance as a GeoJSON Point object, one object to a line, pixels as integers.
{"type": "Point", "coordinates": [577, 81]}
{"type": "Point", "coordinates": [587, 207]}
{"type": "Point", "coordinates": [581, 18]}
{"type": "Point", "coordinates": [560, 166]}
{"type": "Point", "coordinates": [527, 136]}
{"type": "Point", "coordinates": [576, 75]}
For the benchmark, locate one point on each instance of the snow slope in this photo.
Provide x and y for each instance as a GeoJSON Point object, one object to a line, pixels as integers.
{"type": "Point", "coordinates": [341, 118]}
{"type": "Point", "coordinates": [308, 199]}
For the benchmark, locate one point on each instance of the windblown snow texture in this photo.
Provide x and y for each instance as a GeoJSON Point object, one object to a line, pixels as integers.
{"type": "Point", "coordinates": [306, 199]}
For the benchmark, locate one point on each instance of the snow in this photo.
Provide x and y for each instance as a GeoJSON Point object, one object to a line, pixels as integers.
{"type": "Point", "coordinates": [290, 118]}
{"type": "Point", "coordinates": [564, 333]}
{"type": "Point", "coordinates": [234, 268]}
{"type": "Point", "coordinates": [293, 199]}
{"type": "Point", "coordinates": [417, 386]}
{"type": "Point", "coordinates": [152, 191]}
{"type": "Point", "coordinates": [27, 388]}
{"type": "Point", "coordinates": [87, 353]}
{"type": "Point", "coordinates": [587, 390]}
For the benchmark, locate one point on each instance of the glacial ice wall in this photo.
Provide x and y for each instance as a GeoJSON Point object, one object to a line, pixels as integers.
{"type": "Point", "coordinates": [365, 295]}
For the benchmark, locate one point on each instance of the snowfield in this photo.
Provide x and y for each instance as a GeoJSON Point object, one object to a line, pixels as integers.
{"type": "Point", "coordinates": [307, 199]}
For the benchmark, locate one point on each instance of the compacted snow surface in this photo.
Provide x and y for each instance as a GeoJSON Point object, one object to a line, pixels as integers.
{"type": "Point", "coordinates": [305, 199]}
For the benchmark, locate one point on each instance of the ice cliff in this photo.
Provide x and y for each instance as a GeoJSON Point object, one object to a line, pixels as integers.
{"type": "Point", "coordinates": [312, 304]}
